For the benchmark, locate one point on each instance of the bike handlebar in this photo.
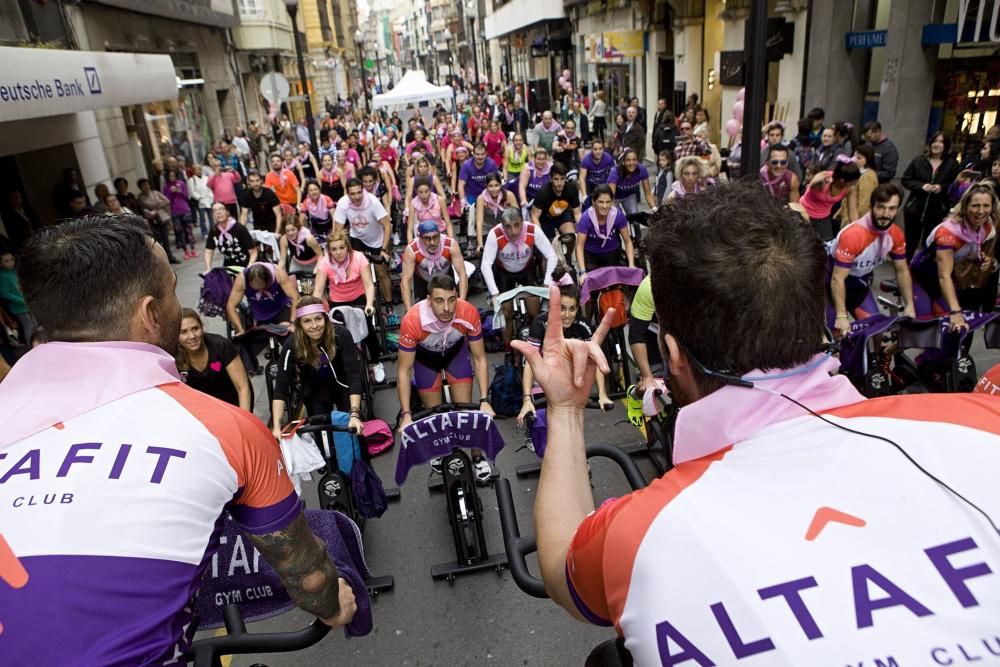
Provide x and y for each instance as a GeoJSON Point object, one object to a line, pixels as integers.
{"type": "Point", "coordinates": [374, 259]}
{"type": "Point", "coordinates": [441, 408]}
{"type": "Point", "coordinates": [238, 641]}
{"type": "Point", "coordinates": [518, 547]}
{"type": "Point", "coordinates": [321, 422]}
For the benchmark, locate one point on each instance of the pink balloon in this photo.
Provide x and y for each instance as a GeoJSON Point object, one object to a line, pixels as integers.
{"type": "Point", "coordinates": [740, 96]}
{"type": "Point", "coordinates": [562, 81]}
{"type": "Point", "coordinates": [738, 111]}
{"type": "Point", "coordinates": [567, 74]}
{"type": "Point", "coordinates": [733, 127]}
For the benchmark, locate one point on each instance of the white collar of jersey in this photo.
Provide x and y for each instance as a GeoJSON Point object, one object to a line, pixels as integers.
{"type": "Point", "coordinates": [56, 382]}
{"type": "Point", "coordinates": [733, 414]}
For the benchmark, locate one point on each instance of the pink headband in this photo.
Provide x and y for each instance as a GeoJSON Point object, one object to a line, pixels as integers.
{"type": "Point", "coordinates": [309, 310]}
{"type": "Point", "coordinates": [565, 280]}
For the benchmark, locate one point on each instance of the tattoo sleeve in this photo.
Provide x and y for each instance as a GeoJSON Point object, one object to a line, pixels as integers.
{"type": "Point", "coordinates": [305, 568]}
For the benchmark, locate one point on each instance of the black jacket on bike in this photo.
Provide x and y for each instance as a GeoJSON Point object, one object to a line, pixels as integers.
{"type": "Point", "coordinates": [327, 386]}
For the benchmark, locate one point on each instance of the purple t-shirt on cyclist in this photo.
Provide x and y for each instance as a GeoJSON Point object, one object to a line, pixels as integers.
{"type": "Point", "coordinates": [628, 185]}
{"type": "Point", "coordinates": [602, 238]}
{"type": "Point", "coordinates": [475, 177]}
{"type": "Point", "coordinates": [267, 303]}
{"type": "Point", "coordinates": [536, 180]}
{"type": "Point", "coordinates": [597, 172]}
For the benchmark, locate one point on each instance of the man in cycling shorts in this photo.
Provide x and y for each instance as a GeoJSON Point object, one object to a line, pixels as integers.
{"type": "Point", "coordinates": [643, 332]}
{"type": "Point", "coordinates": [802, 524]}
{"type": "Point", "coordinates": [556, 207]}
{"type": "Point", "coordinates": [430, 254]}
{"type": "Point", "coordinates": [117, 476]}
{"type": "Point", "coordinates": [857, 250]}
{"type": "Point", "coordinates": [443, 333]}
{"type": "Point", "coordinates": [510, 252]}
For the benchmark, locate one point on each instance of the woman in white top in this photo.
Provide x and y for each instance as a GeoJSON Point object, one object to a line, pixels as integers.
{"type": "Point", "coordinates": [598, 115]}
{"type": "Point", "coordinates": [199, 191]}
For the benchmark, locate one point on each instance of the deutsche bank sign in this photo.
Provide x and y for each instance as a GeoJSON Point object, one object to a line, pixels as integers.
{"type": "Point", "coordinates": [42, 82]}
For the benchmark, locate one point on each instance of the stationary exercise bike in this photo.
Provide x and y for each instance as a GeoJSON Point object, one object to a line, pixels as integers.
{"type": "Point", "coordinates": [464, 507]}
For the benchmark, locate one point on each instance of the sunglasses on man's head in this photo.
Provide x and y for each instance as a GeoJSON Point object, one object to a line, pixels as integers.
{"type": "Point", "coordinates": [779, 162]}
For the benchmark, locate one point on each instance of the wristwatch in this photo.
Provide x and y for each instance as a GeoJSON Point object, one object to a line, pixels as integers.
{"type": "Point", "coordinates": [483, 400]}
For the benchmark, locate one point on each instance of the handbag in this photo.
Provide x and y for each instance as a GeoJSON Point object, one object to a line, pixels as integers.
{"type": "Point", "coordinates": [369, 494]}
{"type": "Point", "coordinates": [969, 275]}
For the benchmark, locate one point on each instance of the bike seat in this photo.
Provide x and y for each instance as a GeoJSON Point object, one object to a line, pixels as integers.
{"type": "Point", "coordinates": [890, 286]}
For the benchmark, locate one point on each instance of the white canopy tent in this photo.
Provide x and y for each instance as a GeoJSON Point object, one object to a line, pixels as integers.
{"type": "Point", "coordinates": [413, 88]}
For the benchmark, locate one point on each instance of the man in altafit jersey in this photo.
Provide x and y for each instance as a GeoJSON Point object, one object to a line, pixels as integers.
{"type": "Point", "coordinates": [857, 250]}
{"type": "Point", "coordinates": [116, 475]}
{"type": "Point", "coordinates": [792, 530]}
{"type": "Point", "coordinates": [443, 333]}
{"type": "Point", "coordinates": [509, 255]}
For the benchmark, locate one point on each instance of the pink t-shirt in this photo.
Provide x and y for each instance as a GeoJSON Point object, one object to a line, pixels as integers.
{"type": "Point", "coordinates": [349, 288]}
{"type": "Point", "coordinates": [223, 186]}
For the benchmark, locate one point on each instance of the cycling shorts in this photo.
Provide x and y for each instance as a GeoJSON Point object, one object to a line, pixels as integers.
{"type": "Point", "coordinates": [506, 280]}
{"type": "Point", "coordinates": [456, 362]}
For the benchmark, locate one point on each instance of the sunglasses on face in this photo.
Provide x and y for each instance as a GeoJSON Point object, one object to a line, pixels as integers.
{"type": "Point", "coordinates": [779, 162]}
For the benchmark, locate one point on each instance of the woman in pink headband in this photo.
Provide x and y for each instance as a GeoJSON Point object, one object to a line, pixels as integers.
{"type": "Point", "coordinates": [323, 361]}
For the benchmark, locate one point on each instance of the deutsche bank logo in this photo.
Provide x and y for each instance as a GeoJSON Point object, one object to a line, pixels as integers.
{"type": "Point", "coordinates": [93, 81]}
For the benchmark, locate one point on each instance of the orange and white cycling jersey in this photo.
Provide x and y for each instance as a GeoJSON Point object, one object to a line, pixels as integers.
{"type": "Point", "coordinates": [780, 539]}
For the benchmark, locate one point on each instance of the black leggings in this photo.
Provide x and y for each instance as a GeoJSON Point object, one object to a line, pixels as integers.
{"type": "Point", "coordinates": [599, 260]}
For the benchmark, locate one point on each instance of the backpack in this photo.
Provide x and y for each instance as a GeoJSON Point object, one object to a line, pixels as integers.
{"type": "Point", "coordinates": [613, 298]}
{"type": "Point", "coordinates": [492, 338]}
{"type": "Point", "coordinates": [505, 390]}
{"type": "Point", "coordinates": [369, 494]}
{"type": "Point", "coordinates": [215, 293]}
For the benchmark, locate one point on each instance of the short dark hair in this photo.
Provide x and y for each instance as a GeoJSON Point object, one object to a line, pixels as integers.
{"type": "Point", "coordinates": [120, 179]}
{"type": "Point", "coordinates": [779, 148]}
{"type": "Point", "coordinates": [254, 172]}
{"type": "Point", "coordinates": [557, 169]}
{"type": "Point", "coordinates": [816, 113]}
{"type": "Point", "coordinates": [846, 171]}
{"type": "Point", "coordinates": [141, 182]}
{"type": "Point", "coordinates": [738, 234]}
{"type": "Point", "coordinates": [368, 170]}
{"type": "Point", "coordinates": [82, 277]}
{"type": "Point", "coordinates": [873, 125]}
{"type": "Point", "coordinates": [945, 139]}
{"type": "Point", "coordinates": [868, 153]}
{"type": "Point", "coordinates": [443, 281]}
{"type": "Point", "coordinates": [354, 182]}
{"type": "Point", "coordinates": [602, 189]}
{"type": "Point", "coordinates": [883, 193]}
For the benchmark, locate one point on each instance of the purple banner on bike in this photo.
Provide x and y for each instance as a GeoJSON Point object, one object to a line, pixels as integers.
{"type": "Point", "coordinates": [238, 575]}
{"type": "Point", "coordinates": [436, 435]}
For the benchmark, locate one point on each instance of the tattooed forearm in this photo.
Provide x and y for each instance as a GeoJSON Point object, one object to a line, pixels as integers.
{"type": "Point", "coordinates": [305, 568]}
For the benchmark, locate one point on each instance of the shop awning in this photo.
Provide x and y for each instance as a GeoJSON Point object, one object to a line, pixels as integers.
{"type": "Point", "coordinates": [35, 83]}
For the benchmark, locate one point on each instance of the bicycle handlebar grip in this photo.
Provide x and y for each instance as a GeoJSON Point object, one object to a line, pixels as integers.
{"type": "Point", "coordinates": [235, 625]}
{"type": "Point", "coordinates": [517, 547]}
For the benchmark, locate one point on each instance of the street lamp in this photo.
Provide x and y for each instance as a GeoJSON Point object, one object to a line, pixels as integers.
{"type": "Point", "coordinates": [473, 8]}
{"type": "Point", "coordinates": [293, 9]}
{"type": "Point", "coordinates": [447, 48]}
{"type": "Point", "coordinates": [358, 37]}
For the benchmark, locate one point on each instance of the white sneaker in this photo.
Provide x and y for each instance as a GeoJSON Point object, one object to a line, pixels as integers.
{"type": "Point", "coordinates": [481, 468]}
{"type": "Point", "coordinates": [378, 372]}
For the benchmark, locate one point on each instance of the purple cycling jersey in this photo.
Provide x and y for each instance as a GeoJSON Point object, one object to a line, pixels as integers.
{"type": "Point", "coordinates": [266, 304]}
{"type": "Point", "coordinates": [475, 177]}
{"type": "Point", "coordinates": [536, 182]}
{"type": "Point", "coordinates": [602, 238]}
{"type": "Point", "coordinates": [628, 185]}
{"type": "Point", "coordinates": [597, 172]}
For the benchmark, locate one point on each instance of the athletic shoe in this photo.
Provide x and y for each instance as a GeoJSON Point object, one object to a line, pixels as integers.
{"type": "Point", "coordinates": [481, 467]}
{"type": "Point", "coordinates": [378, 372]}
{"type": "Point", "coordinates": [436, 466]}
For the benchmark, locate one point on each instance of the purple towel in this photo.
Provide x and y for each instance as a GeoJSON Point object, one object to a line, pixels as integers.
{"type": "Point", "coordinates": [539, 432]}
{"type": "Point", "coordinates": [436, 435]}
{"type": "Point", "coordinates": [238, 574]}
{"type": "Point", "coordinates": [599, 279]}
{"type": "Point", "coordinates": [852, 348]}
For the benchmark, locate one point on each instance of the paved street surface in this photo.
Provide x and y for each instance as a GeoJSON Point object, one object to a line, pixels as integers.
{"type": "Point", "coordinates": [482, 618]}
